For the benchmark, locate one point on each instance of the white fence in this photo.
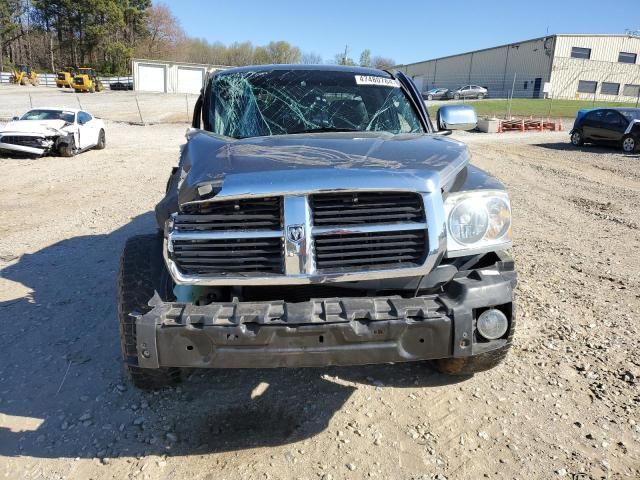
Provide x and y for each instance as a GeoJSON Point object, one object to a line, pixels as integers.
{"type": "Point", "coordinates": [49, 79]}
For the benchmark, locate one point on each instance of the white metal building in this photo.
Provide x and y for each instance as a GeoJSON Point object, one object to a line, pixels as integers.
{"type": "Point", "coordinates": [602, 67]}
{"type": "Point", "coordinates": [170, 77]}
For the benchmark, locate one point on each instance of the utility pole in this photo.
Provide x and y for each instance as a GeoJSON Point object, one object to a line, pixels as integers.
{"type": "Point", "coordinates": [344, 57]}
{"type": "Point", "coordinates": [29, 32]}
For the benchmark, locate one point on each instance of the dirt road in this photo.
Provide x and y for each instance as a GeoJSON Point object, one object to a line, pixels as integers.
{"type": "Point", "coordinates": [564, 403]}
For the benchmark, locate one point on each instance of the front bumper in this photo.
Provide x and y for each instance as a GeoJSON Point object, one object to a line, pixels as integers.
{"type": "Point", "coordinates": [339, 331]}
{"type": "Point", "coordinates": [10, 147]}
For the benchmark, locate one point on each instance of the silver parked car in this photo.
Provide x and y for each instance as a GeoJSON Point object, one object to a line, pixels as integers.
{"type": "Point", "coordinates": [435, 94]}
{"type": "Point", "coordinates": [469, 91]}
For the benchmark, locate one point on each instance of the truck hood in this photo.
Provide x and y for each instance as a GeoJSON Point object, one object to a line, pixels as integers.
{"type": "Point", "coordinates": [40, 127]}
{"type": "Point", "coordinates": [290, 163]}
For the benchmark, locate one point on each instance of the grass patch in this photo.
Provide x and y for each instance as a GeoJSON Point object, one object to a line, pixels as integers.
{"type": "Point", "coordinates": [533, 107]}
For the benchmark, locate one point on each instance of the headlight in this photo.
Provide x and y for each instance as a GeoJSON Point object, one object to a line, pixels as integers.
{"type": "Point", "coordinates": [477, 222]}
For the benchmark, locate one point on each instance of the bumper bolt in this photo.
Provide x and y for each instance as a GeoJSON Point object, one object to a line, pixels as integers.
{"type": "Point", "coordinates": [146, 354]}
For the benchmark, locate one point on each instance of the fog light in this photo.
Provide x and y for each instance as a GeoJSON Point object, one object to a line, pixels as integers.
{"type": "Point", "coordinates": [492, 324]}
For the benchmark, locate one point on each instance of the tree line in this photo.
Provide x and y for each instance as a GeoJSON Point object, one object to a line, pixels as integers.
{"type": "Point", "coordinates": [106, 34]}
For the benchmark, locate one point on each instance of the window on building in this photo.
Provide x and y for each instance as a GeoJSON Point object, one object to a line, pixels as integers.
{"type": "Point", "coordinates": [578, 52]}
{"type": "Point", "coordinates": [587, 86]}
{"type": "Point", "coordinates": [608, 88]}
{"type": "Point", "coordinates": [631, 91]}
{"type": "Point", "coordinates": [526, 85]}
{"type": "Point", "coordinates": [625, 57]}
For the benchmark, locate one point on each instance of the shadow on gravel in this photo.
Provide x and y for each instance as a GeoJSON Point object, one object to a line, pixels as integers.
{"type": "Point", "coordinates": [566, 146]}
{"type": "Point", "coordinates": [61, 388]}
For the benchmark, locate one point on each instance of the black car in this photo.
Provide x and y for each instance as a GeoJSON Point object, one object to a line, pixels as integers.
{"type": "Point", "coordinates": [121, 86]}
{"type": "Point", "coordinates": [612, 126]}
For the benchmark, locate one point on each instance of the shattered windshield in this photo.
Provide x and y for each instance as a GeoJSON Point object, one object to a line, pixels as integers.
{"type": "Point", "coordinates": [48, 115]}
{"type": "Point", "coordinates": [280, 102]}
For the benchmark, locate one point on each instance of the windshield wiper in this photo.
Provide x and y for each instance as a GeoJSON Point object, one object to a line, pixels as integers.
{"type": "Point", "coordinates": [324, 129]}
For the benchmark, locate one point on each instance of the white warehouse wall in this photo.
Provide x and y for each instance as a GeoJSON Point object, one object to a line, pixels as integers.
{"type": "Point", "coordinates": [170, 77]}
{"type": "Point", "coordinates": [536, 62]}
{"type": "Point", "coordinates": [602, 67]}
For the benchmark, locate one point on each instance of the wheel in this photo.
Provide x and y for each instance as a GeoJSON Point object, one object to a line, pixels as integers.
{"type": "Point", "coordinates": [576, 138]}
{"type": "Point", "coordinates": [23, 81]}
{"type": "Point", "coordinates": [59, 86]}
{"type": "Point", "coordinates": [477, 363]}
{"type": "Point", "coordinates": [629, 144]}
{"type": "Point", "coordinates": [456, 96]}
{"type": "Point", "coordinates": [142, 274]}
{"type": "Point", "coordinates": [99, 86]}
{"type": "Point", "coordinates": [92, 89]}
{"type": "Point", "coordinates": [429, 97]}
{"type": "Point", "coordinates": [480, 96]}
{"type": "Point", "coordinates": [67, 149]}
{"type": "Point", "coordinates": [102, 140]}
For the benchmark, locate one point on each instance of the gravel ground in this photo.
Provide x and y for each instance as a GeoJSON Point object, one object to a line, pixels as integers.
{"type": "Point", "coordinates": [563, 405]}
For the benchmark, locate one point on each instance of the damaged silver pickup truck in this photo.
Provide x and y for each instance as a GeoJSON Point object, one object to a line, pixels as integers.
{"type": "Point", "coordinates": [318, 218]}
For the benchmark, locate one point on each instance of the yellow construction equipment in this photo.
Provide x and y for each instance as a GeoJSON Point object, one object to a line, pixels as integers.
{"type": "Point", "coordinates": [85, 80]}
{"type": "Point", "coordinates": [25, 75]}
{"type": "Point", "coordinates": [64, 78]}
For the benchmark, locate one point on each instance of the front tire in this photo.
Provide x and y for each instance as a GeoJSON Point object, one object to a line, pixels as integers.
{"type": "Point", "coordinates": [577, 140]}
{"type": "Point", "coordinates": [67, 149]}
{"type": "Point", "coordinates": [480, 96]}
{"type": "Point", "coordinates": [629, 144]}
{"type": "Point", "coordinates": [102, 140]}
{"type": "Point", "coordinates": [142, 274]}
{"type": "Point", "coordinates": [456, 97]}
{"type": "Point", "coordinates": [429, 97]}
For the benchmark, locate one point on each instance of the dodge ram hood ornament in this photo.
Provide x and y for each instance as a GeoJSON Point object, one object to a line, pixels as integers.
{"type": "Point", "coordinates": [295, 233]}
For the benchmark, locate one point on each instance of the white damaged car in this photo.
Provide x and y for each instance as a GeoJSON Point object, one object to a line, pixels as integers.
{"type": "Point", "coordinates": [55, 131]}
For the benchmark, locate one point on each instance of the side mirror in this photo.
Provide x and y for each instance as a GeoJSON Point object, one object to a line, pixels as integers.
{"type": "Point", "coordinates": [457, 117]}
{"type": "Point", "coordinates": [15, 118]}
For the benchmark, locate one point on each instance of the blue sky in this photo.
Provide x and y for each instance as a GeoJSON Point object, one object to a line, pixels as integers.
{"type": "Point", "coordinates": [407, 31]}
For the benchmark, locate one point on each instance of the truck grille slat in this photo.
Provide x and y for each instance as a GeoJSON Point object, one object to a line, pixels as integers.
{"type": "Point", "coordinates": [244, 214]}
{"type": "Point", "coordinates": [371, 250]}
{"type": "Point", "coordinates": [370, 208]}
{"type": "Point", "coordinates": [221, 256]}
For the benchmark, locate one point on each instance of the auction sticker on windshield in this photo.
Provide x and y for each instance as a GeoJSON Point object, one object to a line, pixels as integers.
{"type": "Point", "coordinates": [378, 81]}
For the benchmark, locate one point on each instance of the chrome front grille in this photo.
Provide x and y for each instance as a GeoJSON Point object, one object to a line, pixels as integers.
{"type": "Point", "coordinates": [305, 238]}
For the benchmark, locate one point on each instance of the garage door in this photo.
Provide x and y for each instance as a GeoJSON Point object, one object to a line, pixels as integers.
{"type": "Point", "coordinates": [151, 78]}
{"type": "Point", "coordinates": [190, 79]}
